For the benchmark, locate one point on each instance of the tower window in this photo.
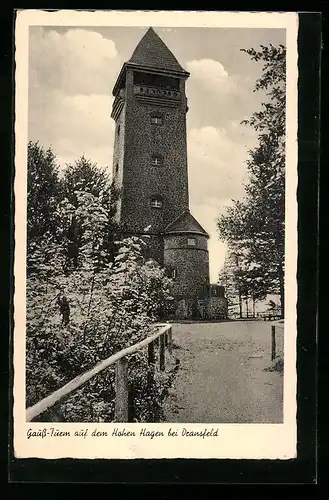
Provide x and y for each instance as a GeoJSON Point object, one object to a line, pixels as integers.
{"type": "Point", "coordinates": [171, 273]}
{"type": "Point", "coordinates": [191, 242]}
{"type": "Point", "coordinates": [118, 130]}
{"type": "Point", "coordinates": [156, 120]}
{"type": "Point", "coordinates": [157, 160]}
{"type": "Point", "coordinates": [156, 202]}
{"type": "Point", "coordinates": [116, 168]}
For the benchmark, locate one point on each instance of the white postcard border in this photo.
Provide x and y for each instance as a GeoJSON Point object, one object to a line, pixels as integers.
{"type": "Point", "coordinates": [247, 441]}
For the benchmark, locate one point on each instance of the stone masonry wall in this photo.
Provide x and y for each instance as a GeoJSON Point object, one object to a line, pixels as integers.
{"type": "Point", "coordinates": [216, 308]}
{"type": "Point", "coordinates": [190, 263]}
{"type": "Point", "coordinates": [142, 180]}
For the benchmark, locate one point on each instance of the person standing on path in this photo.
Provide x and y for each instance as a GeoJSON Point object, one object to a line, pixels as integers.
{"type": "Point", "coordinates": [64, 307]}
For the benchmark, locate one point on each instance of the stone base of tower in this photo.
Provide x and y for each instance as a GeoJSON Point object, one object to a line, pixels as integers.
{"type": "Point", "coordinates": [209, 307]}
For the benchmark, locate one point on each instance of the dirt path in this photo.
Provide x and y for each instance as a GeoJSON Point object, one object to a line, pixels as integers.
{"type": "Point", "coordinates": [221, 377]}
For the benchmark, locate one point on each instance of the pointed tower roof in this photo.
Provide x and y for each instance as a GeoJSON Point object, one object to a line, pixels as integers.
{"type": "Point", "coordinates": [154, 53]}
{"type": "Point", "coordinates": [151, 54]}
{"type": "Point", "coordinates": [185, 223]}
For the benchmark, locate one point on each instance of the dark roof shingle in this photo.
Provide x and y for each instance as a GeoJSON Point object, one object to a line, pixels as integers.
{"type": "Point", "coordinates": [185, 223]}
{"type": "Point", "coordinates": [154, 53]}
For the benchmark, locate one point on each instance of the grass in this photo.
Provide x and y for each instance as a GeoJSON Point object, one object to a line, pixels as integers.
{"type": "Point", "coordinates": [276, 366]}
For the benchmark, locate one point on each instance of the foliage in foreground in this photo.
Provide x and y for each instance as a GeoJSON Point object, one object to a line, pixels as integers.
{"type": "Point", "coordinates": [254, 226]}
{"type": "Point", "coordinates": [113, 299]}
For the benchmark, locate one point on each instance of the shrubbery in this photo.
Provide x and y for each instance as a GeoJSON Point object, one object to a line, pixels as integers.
{"type": "Point", "coordinates": [113, 296]}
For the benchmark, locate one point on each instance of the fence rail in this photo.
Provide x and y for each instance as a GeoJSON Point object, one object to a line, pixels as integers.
{"type": "Point", "coordinates": [270, 316]}
{"type": "Point", "coordinates": [163, 336]}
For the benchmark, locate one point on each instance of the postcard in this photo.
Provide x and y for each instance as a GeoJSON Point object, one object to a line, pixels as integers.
{"type": "Point", "coordinates": [155, 234]}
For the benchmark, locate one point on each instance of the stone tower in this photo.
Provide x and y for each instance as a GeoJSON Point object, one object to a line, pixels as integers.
{"type": "Point", "coordinates": [150, 165]}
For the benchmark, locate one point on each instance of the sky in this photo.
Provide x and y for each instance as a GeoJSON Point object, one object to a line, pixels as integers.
{"type": "Point", "coordinates": [72, 71]}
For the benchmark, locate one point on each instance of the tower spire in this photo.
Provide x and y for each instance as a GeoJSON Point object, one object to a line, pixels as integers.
{"type": "Point", "coordinates": [152, 52]}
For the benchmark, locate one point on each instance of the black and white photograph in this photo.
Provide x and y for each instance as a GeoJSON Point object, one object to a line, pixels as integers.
{"type": "Point", "coordinates": [155, 260]}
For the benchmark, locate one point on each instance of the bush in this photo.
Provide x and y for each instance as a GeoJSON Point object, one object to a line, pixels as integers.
{"type": "Point", "coordinates": [112, 305]}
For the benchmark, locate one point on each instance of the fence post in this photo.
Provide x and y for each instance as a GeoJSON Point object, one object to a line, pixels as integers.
{"type": "Point", "coordinates": [121, 390]}
{"type": "Point", "coordinates": [151, 361]}
{"type": "Point", "coordinates": [170, 340]}
{"type": "Point", "coordinates": [162, 353]}
{"type": "Point", "coordinates": [273, 353]}
{"type": "Point", "coordinates": [151, 357]}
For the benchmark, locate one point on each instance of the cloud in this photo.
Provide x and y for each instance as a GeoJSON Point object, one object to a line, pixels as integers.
{"type": "Point", "coordinates": [73, 125]}
{"type": "Point", "coordinates": [217, 171]}
{"type": "Point", "coordinates": [209, 67]}
{"type": "Point", "coordinates": [69, 93]}
{"type": "Point", "coordinates": [217, 166]}
{"type": "Point", "coordinates": [212, 76]}
{"type": "Point", "coordinates": [217, 96]}
{"type": "Point", "coordinates": [79, 61]}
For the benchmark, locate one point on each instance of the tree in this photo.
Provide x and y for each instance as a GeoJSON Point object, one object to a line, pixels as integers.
{"type": "Point", "coordinates": [226, 278]}
{"type": "Point", "coordinates": [84, 175]}
{"type": "Point", "coordinates": [43, 190]}
{"type": "Point", "coordinates": [87, 177]}
{"type": "Point", "coordinates": [89, 293]}
{"type": "Point", "coordinates": [255, 224]}
{"type": "Point", "coordinates": [242, 281]}
{"type": "Point", "coordinates": [232, 279]}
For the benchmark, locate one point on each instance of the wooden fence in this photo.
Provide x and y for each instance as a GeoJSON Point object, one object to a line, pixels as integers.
{"type": "Point", "coordinates": [163, 336]}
